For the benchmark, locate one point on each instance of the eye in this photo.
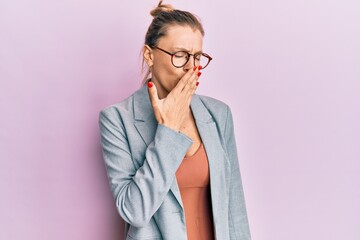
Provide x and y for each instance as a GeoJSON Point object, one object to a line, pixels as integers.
{"type": "Point", "coordinates": [198, 57]}
{"type": "Point", "coordinates": [180, 54]}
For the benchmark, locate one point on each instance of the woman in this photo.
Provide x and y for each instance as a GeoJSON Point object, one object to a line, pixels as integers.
{"type": "Point", "coordinates": [170, 154]}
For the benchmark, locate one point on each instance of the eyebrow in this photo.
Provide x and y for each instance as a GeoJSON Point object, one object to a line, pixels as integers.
{"type": "Point", "coordinates": [186, 50]}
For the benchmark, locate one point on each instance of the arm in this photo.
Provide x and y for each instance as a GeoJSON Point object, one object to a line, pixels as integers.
{"type": "Point", "coordinates": [138, 193]}
{"type": "Point", "coordinates": [238, 221]}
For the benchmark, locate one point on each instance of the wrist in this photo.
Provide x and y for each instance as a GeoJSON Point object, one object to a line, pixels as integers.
{"type": "Point", "coordinates": [171, 126]}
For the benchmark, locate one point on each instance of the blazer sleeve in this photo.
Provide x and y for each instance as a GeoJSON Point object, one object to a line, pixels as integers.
{"type": "Point", "coordinates": [238, 220]}
{"type": "Point", "coordinates": [138, 193]}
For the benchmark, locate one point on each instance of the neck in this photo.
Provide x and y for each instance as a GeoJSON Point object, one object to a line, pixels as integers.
{"type": "Point", "coordinates": [161, 91]}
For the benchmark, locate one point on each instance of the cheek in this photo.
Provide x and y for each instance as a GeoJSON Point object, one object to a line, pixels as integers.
{"type": "Point", "coordinates": [170, 74]}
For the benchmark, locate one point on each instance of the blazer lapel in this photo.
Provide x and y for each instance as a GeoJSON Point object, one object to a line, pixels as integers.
{"type": "Point", "coordinates": [210, 137]}
{"type": "Point", "coordinates": [145, 123]}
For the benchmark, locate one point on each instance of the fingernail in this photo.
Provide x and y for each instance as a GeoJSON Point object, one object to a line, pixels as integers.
{"type": "Point", "coordinates": [150, 84]}
{"type": "Point", "coordinates": [199, 73]}
{"type": "Point", "coordinates": [197, 83]}
{"type": "Point", "coordinates": [194, 68]}
{"type": "Point", "coordinates": [200, 67]}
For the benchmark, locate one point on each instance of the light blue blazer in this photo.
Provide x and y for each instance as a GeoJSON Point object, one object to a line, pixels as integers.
{"type": "Point", "coordinates": [141, 159]}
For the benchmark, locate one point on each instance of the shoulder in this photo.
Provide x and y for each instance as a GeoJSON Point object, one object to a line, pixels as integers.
{"type": "Point", "coordinates": [216, 107]}
{"type": "Point", "coordinates": [220, 112]}
{"type": "Point", "coordinates": [121, 107]}
{"type": "Point", "coordinates": [221, 115]}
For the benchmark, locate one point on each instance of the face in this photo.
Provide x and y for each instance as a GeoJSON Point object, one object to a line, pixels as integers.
{"type": "Point", "coordinates": [164, 75]}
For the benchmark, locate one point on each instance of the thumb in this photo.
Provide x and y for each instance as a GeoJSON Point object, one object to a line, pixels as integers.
{"type": "Point", "coordinates": [154, 99]}
{"type": "Point", "coordinates": [152, 93]}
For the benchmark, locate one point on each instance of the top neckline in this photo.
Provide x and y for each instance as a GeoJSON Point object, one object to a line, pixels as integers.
{"type": "Point", "coordinates": [196, 152]}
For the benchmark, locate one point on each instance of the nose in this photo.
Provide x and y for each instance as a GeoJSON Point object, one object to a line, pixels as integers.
{"type": "Point", "coordinates": [190, 64]}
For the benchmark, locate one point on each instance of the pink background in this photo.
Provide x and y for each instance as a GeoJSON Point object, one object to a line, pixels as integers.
{"type": "Point", "coordinates": [290, 70]}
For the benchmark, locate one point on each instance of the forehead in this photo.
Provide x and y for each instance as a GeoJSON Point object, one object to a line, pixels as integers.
{"type": "Point", "coordinates": [182, 37]}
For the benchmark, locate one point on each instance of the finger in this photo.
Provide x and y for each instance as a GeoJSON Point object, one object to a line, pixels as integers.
{"type": "Point", "coordinates": [190, 93]}
{"type": "Point", "coordinates": [191, 90]}
{"type": "Point", "coordinates": [154, 98]}
{"type": "Point", "coordinates": [190, 83]}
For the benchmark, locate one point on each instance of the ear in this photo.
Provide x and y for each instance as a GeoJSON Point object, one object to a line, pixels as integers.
{"type": "Point", "coordinates": [148, 55]}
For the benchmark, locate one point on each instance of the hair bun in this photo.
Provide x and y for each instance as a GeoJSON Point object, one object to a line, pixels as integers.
{"type": "Point", "coordinates": [161, 8]}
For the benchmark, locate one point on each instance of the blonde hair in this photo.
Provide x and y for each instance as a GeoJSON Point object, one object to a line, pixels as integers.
{"type": "Point", "coordinates": [164, 16]}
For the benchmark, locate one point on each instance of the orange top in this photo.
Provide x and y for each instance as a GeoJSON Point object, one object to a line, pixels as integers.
{"type": "Point", "coordinates": [194, 183]}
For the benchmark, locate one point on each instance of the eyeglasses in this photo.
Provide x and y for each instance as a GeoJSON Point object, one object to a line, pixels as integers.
{"type": "Point", "coordinates": [181, 58]}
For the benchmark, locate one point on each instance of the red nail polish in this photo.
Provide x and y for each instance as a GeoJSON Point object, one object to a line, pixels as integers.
{"type": "Point", "coordinates": [199, 73]}
{"type": "Point", "coordinates": [150, 84]}
{"type": "Point", "coordinates": [194, 68]}
{"type": "Point", "coordinates": [200, 67]}
{"type": "Point", "coordinates": [197, 83]}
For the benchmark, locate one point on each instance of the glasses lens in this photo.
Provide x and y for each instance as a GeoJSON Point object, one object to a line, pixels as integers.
{"type": "Point", "coordinates": [201, 60]}
{"type": "Point", "coordinates": [180, 58]}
